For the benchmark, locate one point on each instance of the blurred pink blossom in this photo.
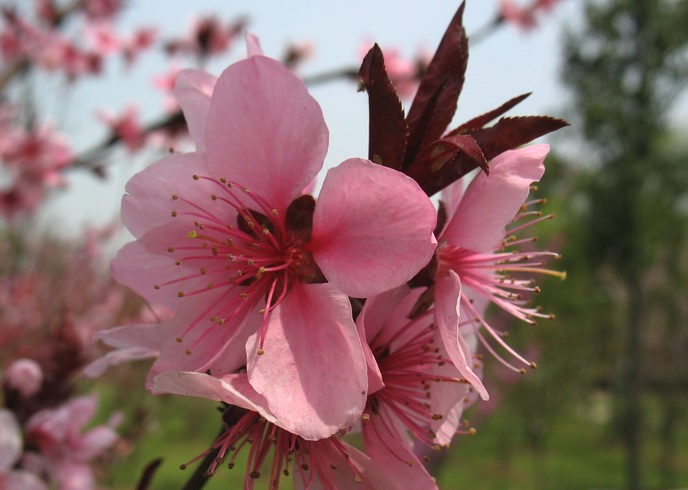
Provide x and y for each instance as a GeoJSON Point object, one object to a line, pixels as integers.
{"type": "Point", "coordinates": [11, 448]}
{"type": "Point", "coordinates": [126, 127]}
{"type": "Point", "coordinates": [524, 16]}
{"type": "Point", "coordinates": [65, 451]}
{"type": "Point", "coordinates": [25, 376]}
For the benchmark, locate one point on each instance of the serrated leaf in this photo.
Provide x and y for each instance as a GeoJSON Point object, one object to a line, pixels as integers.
{"type": "Point", "coordinates": [445, 161]}
{"type": "Point", "coordinates": [482, 120]}
{"type": "Point", "coordinates": [435, 101]}
{"type": "Point", "coordinates": [507, 134]}
{"type": "Point", "coordinates": [387, 133]}
{"type": "Point", "coordinates": [512, 132]}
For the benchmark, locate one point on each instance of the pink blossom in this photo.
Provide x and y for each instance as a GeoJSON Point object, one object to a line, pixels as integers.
{"type": "Point", "coordinates": [65, 452]}
{"type": "Point", "coordinates": [126, 127]}
{"type": "Point", "coordinates": [325, 463]}
{"type": "Point", "coordinates": [34, 160]}
{"type": "Point", "coordinates": [472, 255]}
{"type": "Point", "coordinates": [207, 36]}
{"type": "Point", "coordinates": [165, 83]}
{"type": "Point", "coordinates": [25, 376]}
{"type": "Point", "coordinates": [422, 393]}
{"type": "Point", "coordinates": [101, 38]}
{"type": "Point", "coordinates": [523, 17]}
{"type": "Point", "coordinates": [257, 273]}
{"type": "Point", "coordinates": [102, 9]}
{"type": "Point", "coordinates": [131, 343]}
{"type": "Point", "coordinates": [10, 453]}
{"type": "Point", "coordinates": [41, 151]}
{"type": "Point", "coordinates": [137, 42]}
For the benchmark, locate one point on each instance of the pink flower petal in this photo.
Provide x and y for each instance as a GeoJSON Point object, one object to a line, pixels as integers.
{"type": "Point", "coordinates": [149, 268]}
{"type": "Point", "coordinates": [10, 440]}
{"type": "Point", "coordinates": [372, 228]}
{"type": "Point", "coordinates": [451, 196]}
{"type": "Point", "coordinates": [148, 202]}
{"type": "Point", "coordinates": [350, 470]}
{"type": "Point", "coordinates": [447, 296]}
{"type": "Point", "coordinates": [491, 202]}
{"type": "Point", "coordinates": [94, 442]}
{"type": "Point", "coordinates": [313, 370]}
{"type": "Point", "coordinates": [399, 464]}
{"type": "Point", "coordinates": [265, 131]}
{"type": "Point", "coordinates": [253, 47]}
{"type": "Point", "coordinates": [232, 388]}
{"type": "Point", "coordinates": [193, 90]}
{"type": "Point", "coordinates": [210, 346]}
{"type": "Point", "coordinates": [21, 480]}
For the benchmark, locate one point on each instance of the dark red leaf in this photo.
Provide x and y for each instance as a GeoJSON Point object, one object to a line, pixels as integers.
{"type": "Point", "coordinates": [507, 134]}
{"type": "Point", "coordinates": [439, 89]}
{"type": "Point", "coordinates": [481, 121]}
{"type": "Point", "coordinates": [387, 134]}
{"type": "Point", "coordinates": [416, 140]}
{"type": "Point", "coordinates": [512, 132]}
{"type": "Point", "coordinates": [445, 161]}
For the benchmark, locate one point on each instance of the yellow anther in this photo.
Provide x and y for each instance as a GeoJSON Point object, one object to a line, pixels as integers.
{"type": "Point", "coordinates": [173, 214]}
{"type": "Point", "coordinates": [223, 180]}
{"type": "Point", "coordinates": [275, 212]}
{"type": "Point", "coordinates": [365, 417]}
{"type": "Point", "coordinates": [244, 296]}
{"type": "Point", "coordinates": [472, 431]}
{"type": "Point", "coordinates": [192, 234]}
{"type": "Point", "coordinates": [260, 351]}
{"type": "Point", "coordinates": [187, 352]}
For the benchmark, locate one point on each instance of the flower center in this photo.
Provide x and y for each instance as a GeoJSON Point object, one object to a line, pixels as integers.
{"type": "Point", "coordinates": [311, 461]}
{"type": "Point", "coordinates": [241, 243]}
{"type": "Point", "coordinates": [409, 372]}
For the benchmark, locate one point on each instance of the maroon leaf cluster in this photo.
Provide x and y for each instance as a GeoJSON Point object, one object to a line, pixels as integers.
{"type": "Point", "coordinates": [418, 144]}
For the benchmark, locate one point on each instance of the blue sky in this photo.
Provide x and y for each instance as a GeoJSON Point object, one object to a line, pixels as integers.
{"type": "Point", "coordinates": [507, 63]}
